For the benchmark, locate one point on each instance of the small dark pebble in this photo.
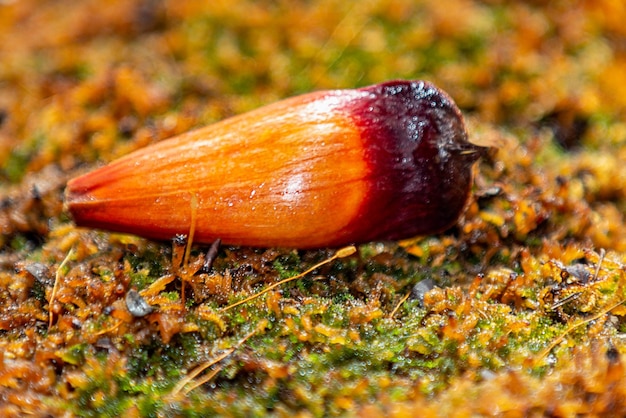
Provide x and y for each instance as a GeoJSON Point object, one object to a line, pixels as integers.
{"type": "Point", "coordinates": [137, 305]}
{"type": "Point", "coordinates": [40, 272]}
{"type": "Point", "coordinates": [420, 289]}
{"type": "Point", "coordinates": [612, 355]}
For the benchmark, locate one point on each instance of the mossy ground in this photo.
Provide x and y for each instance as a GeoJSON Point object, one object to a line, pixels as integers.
{"type": "Point", "coordinates": [525, 319]}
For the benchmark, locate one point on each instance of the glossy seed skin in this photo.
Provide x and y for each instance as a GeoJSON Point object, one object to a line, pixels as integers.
{"type": "Point", "coordinates": [325, 169]}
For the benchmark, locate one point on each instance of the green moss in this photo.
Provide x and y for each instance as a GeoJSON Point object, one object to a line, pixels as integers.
{"type": "Point", "coordinates": [162, 361]}
{"type": "Point", "coordinates": [14, 167]}
{"type": "Point", "coordinates": [19, 243]}
{"type": "Point", "coordinates": [287, 266]}
{"type": "Point", "coordinates": [146, 267]}
{"type": "Point", "coordinates": [520, 71]}
{"type": "Point", "coordinates": [75, 354]}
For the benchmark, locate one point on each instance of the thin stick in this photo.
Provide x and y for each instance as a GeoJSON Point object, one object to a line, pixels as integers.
{"type": "Point", "coordinates": [204, 380]}
{"type": "Point", "coordinates": [598, 264]}
{"type": "Point", "coordinates": [113, 328]}
{"type": "Point", "coordinates": [192, 228]}
{"type": "Point", "coordinates": [195, 372]}
{"type": "Point", "coordinates": [565, 300]}
{"type": "Point", "coordinates": [572, 328]}
{"type": "Point", "coordinates": [404, 298]}
{"type": "Point", "coordinates": [192, 232]}
{"type": "Point", "coordinates": [211, 255]}
{"type": "Point", "coordinates": [341, 253]}
{"type": "Point", "coordinates": [57, 278]}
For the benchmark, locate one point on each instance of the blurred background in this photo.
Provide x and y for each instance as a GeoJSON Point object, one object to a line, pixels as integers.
{"type": "Point", "coordinates": [81, 76]}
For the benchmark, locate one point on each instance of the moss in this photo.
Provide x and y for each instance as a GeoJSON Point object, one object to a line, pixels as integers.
{"type": "Point", "coordinates": [14, 167]}
{"type": "Point", "coordinates": [502, 333]}
{"type": "Point", "coordinates": [75, 354]}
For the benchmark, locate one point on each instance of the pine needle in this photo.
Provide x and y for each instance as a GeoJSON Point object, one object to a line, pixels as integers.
{"type": "Point", "coordinates": [57, 279]}
{"type": "Point", "coordinates": [404, 298]}
{"type": "Point", "coordinates": [561, 337]}
{"type": "Point", "coordinates": [192, 232]}
{"type": "Point", "coordinates": [195, 372]}
{"type": "Point", "coordinates": [341, 253]}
